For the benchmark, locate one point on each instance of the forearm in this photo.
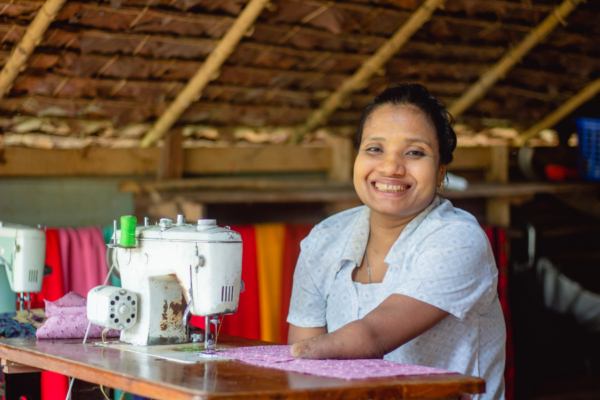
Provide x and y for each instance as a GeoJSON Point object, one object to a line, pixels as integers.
{"type": "Point", "coordinates": [354, 340]}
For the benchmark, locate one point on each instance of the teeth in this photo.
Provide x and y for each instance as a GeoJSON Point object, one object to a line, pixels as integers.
{"type": "Point", "coordinates": [384, 187]}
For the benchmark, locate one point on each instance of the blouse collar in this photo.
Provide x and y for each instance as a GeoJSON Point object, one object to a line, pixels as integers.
{"type": "Point", "coordinates": [357, 243]}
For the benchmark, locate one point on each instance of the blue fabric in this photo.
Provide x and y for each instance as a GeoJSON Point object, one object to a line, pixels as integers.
{"type": "Point", "coordinates": [9, 328]}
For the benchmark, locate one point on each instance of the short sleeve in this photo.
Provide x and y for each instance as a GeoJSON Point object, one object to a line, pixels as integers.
{"type": "Point", "coordinates": [307, 305]}
{"type": "Point", "coordinates": [454, 279]}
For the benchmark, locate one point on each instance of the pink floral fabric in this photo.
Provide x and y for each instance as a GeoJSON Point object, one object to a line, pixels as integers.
{"type": "Point", "coordinates": [279, 357]}
{"type": "Point", "coordinates": [67, 319]}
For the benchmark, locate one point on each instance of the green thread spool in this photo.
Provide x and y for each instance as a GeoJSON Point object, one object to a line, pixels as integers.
{"type": "Point", "coordinates": [128, 224]}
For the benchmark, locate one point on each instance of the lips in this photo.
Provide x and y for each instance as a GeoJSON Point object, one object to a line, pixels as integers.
{"type": "Point", "coordinates": [389, 188]}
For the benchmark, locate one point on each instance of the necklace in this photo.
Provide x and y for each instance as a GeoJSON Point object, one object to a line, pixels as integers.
{"type": "Point", "coordinates": [368, 268]}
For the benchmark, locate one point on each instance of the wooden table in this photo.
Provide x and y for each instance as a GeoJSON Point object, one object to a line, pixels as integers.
{"type": "Point", "coordinates": [158, 379]}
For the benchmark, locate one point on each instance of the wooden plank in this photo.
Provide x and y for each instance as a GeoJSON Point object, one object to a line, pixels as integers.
{"type": "Point", "coordinates": [11, 367]}
{"type": "Point", "coordinates": [80, 162]}
{"type": "Point", "coordinates": [99, 161]}
{"type": "Point", "coordinates": [171, 160]}
{"type": "Point", "coordinates": [471, 158]}
{"type": "Point", "coordinates": [256, 159]}
{"type": "Point", "coordinates": [497, 210]}
{"type": "Point", "coordinates": [158, 379]}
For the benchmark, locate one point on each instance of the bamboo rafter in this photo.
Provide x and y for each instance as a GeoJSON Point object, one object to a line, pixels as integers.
{"type": "Point", "coordinates": [206, 73]}
{"type": "Point", "coordinates": [567, 108]}
{"type": "Point", "coordinates": [360, 78]}
{"type": "Point", "coordinates": [33, 36]}
{"type": "Point", "coordinates": [512, 57]}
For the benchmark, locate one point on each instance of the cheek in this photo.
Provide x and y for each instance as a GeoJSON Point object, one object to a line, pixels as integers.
{"type": "Point", "coordinates": [426, 172]}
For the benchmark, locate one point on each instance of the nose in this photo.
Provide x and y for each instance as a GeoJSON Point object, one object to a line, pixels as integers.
{"type": "Point", "coordinates": [392, 165]}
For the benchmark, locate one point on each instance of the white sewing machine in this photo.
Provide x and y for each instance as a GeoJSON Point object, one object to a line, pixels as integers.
{"type": "Point", "coordinates": [174, 269]}
{"type": "Point", "coordinates": [23, 252]}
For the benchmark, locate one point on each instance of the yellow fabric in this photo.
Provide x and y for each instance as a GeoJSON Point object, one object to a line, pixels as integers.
{"type": "Point", "coordinates": [269, 253]}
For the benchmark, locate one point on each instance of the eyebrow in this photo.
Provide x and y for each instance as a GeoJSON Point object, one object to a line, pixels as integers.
{"type": "Point", "coordinates": [407, 140]}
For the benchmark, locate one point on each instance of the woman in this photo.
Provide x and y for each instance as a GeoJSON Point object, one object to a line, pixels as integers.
{"type": "Point", "coordinates": [406, 277]}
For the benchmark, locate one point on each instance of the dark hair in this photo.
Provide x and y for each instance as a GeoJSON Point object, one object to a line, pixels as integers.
{"type": "Point", "coordinates": [418, 96]}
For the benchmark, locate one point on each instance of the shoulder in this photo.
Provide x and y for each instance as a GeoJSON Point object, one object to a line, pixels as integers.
{"type": "Point", "coordinates": [447, 226]}
{"type": "Point", "coordinates": [332, 234]}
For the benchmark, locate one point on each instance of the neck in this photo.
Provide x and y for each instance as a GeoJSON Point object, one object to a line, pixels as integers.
{"type": "Point", "coordinates": [386, 229]}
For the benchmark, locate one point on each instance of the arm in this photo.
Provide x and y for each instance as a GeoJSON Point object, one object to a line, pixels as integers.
{"type": "Point", "coordinates": [394, 322]}
{"type": "Point", "coordinates": [297, 333]}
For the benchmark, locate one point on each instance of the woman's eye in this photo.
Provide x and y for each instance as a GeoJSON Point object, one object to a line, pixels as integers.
{"type": "Point", "coordinates": [416, 153]}
{"type": "Point", "coordinates": [373, 149]}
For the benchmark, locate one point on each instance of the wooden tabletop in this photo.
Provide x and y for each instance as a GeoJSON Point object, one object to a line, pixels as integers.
{"type": "Point", "coordinates": [158, 379]}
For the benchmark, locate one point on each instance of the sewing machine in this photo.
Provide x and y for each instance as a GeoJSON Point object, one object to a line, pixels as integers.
{"type": "Point", "coordinates": [175, 269]}
{"type": "Point", "coordinates": [23, 252]}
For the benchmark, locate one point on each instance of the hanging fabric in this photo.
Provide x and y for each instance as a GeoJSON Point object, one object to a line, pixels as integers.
{"type": "Point", "coordinates": [269, 251]}
{"type": "Point", "coordinates": [83, 255]}
{"type": "Point", "coordinates": [52, 285]}
{"type": "Point", "coordinates": [294, 234]}
{"type": "Point", "coordinates": [497, 238]}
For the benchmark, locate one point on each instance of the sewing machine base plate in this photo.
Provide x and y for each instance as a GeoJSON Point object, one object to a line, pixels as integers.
{"type": "Point", "coordinates": [188, 353]}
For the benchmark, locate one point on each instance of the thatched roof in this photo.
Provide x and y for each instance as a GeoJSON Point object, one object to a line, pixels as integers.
{"type": "Point", "coordinates": [106, 70]}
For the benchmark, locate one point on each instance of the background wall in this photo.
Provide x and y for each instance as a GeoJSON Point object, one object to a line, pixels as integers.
{"type": "Point", "coordinates": [63, 202]}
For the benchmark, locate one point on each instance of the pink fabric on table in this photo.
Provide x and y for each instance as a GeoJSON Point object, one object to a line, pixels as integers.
{"type": "Point", "coordinates": [67, 319]}
{"type": "Point", "coordinates": [279, 357]}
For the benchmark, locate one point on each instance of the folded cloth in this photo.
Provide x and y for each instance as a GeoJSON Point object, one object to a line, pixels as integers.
{"type": "Point", "coordinates": [67, 319]}
{"type": "Point", "coordinates": [17, 325]}
{"type": "Point", "coordinates": [279, 357]}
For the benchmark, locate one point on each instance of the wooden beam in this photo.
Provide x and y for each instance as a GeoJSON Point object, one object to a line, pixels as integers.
{"type": "Point", "coordinates": [207, 72]}
{"type": "Point", "coordinates": [498, 208]}
{"type": "Point", "coordinates": [360, 78]}
{"type": "Point", "coordinates": [232, 160]}
{"type": "Point", "coordinates": [171, 160]}
{"type": "Point", "coordinates": [34, 35]}
{"type": "Point", "coordinates": [100, 161]}
{"type": "Point", "coordinates": [561, 112]}
{"type": "Point", "coordinates": [512, 57]}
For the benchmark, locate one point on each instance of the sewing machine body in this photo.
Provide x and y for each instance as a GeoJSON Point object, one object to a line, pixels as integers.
{"type": "Point", "coordinates": [23, 252]}
{"type": "Point", "coordinates": [175, 265]}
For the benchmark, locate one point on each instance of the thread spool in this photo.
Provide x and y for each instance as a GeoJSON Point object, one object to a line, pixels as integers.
{"type": "Point", "coordinates": [128, 224]}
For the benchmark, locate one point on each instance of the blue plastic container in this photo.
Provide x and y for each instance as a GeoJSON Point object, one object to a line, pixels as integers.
{"type": "Point", "coordinates": [588, 135]}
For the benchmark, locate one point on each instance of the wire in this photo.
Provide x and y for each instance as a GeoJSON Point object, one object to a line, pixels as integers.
{"type": "Point", "coordinates": [102, 390]}
{"type": "Point", "coordinates": [219, 331]}
{"type": "Point", "coordinates": [87, 331]}
{"type": "Point", "coordinates": [104, 334]}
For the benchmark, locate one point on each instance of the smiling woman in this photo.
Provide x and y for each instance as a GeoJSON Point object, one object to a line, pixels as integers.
{"type": "Point", "coordinates": [406, 277]}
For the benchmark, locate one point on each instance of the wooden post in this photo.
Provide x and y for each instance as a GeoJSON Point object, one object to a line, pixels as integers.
{"type": "Point", "coordinates": [498, 209]}
{"type": "Point", "coordinates": [360, 78]}
{"type": "Point", "coordinates": [552, 119]}
{"type": "Point", "coordinates": [206, 73]}
{"type": "Point", "coordinates": [171, 158]}
{"type": "Point", "coordinates": [33, 36]}
{"type": "Point", "coordinates": [512, 57]}
{"type": "Point", "coordinates": [342, 159]}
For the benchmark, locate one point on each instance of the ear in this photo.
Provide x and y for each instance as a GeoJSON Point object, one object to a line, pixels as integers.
{"type": "Point", "coordinates": [441, 174]}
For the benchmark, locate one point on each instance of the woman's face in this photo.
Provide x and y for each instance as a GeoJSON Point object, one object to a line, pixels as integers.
{"type": "Point", "coordinates": [397, 169]}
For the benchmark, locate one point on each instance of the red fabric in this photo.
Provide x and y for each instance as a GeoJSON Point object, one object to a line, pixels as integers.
{"type": "Point", "coordinates": [246, 321]}
{"type": "Point", "coordinates": [294, 234]}
{"type": "Point", "coordinates": [54, 386]}
{"type": "Point", "coordinates": [52, 285]}
{"type": "Point", "coordinates": [499, 244]}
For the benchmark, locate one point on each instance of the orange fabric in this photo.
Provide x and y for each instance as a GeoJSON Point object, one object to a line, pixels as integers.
{"type": "Point", "coordinates": [269, 252]}
{"type": "Point", "coordinates": [294, 234]}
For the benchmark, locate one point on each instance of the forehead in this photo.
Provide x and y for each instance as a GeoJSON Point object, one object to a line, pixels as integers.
{"type": "Point", "coordinates": [400, 120]}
